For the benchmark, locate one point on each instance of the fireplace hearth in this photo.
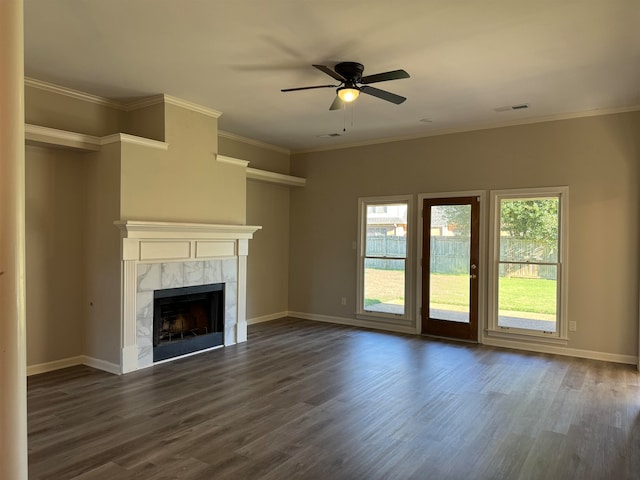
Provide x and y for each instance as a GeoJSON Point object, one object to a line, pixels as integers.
{"type": "Point", "coordinates": [187, 319]}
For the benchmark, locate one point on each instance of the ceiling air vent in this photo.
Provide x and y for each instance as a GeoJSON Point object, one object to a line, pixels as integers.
{"type": "Point", "coordinates": [522, 106]}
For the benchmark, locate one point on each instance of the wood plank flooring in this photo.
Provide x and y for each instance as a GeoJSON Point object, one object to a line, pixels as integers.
{"type": "Point", "coordinates": [311, 400]}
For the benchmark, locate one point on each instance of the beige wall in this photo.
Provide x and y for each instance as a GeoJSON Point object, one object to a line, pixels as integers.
{"type": "Point", "coordinates": [146, 122]}
{"type": "Point", "coordinates": [268, 262]}
{"type": "Point", "coordinates": [55, 227]}
{"type": "Point", "coordinates": [264, 158]}
{"type": "Point", "coordinates": [102, 277]}
{"type": "Point", "coordinates": [267, 206]}
{"type": "Point", "coordinates": [597, 157]}
{"type": "Point", "coordinates": [75, 198]}
{"type": "Point", "coordinates": [73, 254]}
{"type": "Point", "coordinates": [50, 109]}
{"type": "Point", "coordinates": [184, 183]}
{"type": "Point", "coordinates": [303, 258]}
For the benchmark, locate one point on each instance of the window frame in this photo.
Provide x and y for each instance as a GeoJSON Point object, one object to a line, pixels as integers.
{"type": "Point", "coordinates": [361, 313]}
{"type": "Point", "coordinates": [560, 336]}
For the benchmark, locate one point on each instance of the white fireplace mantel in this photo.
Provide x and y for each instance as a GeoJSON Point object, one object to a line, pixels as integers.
{"type": "Point", "coordinates": [147, 242]}
{"type": "Point", "coordinates": [143, 229]}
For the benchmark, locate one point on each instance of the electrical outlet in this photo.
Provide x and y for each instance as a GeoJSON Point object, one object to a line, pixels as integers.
{"type": "Point", "coordinates": [343, 301]}
{"type": "Point", "coordinates": [572, 326]}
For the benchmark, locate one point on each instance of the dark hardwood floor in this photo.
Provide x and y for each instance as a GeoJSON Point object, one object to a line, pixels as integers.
{"type": "Point", "coordinates": [311, 400]}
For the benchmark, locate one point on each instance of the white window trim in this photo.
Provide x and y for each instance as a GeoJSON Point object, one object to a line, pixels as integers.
{"type": "Point", "coordinates": [482, 265]}
{"type": "Point", "coordinates": [409, 313]}
{"type": "Point", "coordinates": [561, 335]}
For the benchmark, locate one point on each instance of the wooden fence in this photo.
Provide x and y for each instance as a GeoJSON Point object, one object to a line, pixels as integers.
{"type": "Point", "coordinates": [450, 256]}
{"type": "Point", "coordinates": [386, 246]}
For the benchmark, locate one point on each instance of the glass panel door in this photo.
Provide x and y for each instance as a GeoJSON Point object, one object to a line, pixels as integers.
{"type": "Point", "coordinates": [450, 267]}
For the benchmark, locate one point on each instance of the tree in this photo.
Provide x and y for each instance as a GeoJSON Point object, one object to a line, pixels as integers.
{"type": "Point", "coordinates": [457, 218]}
{"type": "Point", "coordinates": [526, 219]}
{"type": "Point", "coordinates": [530, 219]}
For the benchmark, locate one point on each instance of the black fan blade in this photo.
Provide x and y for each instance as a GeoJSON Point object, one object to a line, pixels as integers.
{"type": "Point", "coordinates": [337, 104]}
{"type": "Point", "coordinates": [307, 88]}
{"type": "Point", "coordinates": [383, 77]}
{"type": "Point", "coordinates": [331, 73]}
{"type": "Point", "coordinates": [383, 94]}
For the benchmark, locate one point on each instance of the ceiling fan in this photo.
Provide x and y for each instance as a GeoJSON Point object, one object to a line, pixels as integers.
{"type": "Point", "coordinates": [349, 74]}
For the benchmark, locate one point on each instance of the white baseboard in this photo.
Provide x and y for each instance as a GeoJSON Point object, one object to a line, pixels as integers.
{"type": "Point", "coordinates": [102, 365]}
{"type": "Point", "coordinates": [354, 322]}
{"type": "Point", "coordinates": [71, 362]}
{"type": "Point", "coordinates": [55, 365]}
{"type": "Point", "coordinates": [530, 347]}
{"type": "Point", "coordinates": [267, 318]}
{"type": "Point", "coordinates": [538, 348]}
{"type": "Point", "coordinates": [559, 350]}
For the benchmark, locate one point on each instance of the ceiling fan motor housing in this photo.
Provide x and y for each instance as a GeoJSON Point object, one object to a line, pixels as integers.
{"type": "Point", "coordinates": [350, 70]}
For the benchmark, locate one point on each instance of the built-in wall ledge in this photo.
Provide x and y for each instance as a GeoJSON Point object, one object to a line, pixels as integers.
{"type": "Point", "coordinates": [232, 161]}
{"type": "Point", "coordinates": [126, 138]}
{"type": "Point", "coordinates": [52, 137]}
{"type": "Point", "coordinates": [262, 175]}
{"type": "Point", "coordinates": [272, 177]}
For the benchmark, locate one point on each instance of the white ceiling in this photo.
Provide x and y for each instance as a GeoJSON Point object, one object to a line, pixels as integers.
{"type": "Point", "coordinates": [465, 57]}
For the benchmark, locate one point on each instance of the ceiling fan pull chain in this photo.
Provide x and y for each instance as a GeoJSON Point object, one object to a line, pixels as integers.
{"type": "Point", "coordinates": [344, 118]}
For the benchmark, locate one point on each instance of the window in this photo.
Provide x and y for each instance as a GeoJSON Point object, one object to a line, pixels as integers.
{"type": "Point", "coordinates": [383, 280]}
{"type": "Point", "coordinates": [529, 240]}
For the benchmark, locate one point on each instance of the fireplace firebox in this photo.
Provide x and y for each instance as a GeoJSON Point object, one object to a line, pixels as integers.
{"type": "Point", "coordinates": [187, 319]}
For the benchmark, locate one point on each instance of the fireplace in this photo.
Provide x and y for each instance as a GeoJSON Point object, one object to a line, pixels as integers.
{"type": "Point", "coordinates": [170, 256]}
{"type": "Point", "coordinates": [187, 319]}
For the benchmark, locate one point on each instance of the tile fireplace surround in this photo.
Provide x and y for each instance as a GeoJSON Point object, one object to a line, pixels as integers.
{"type": "Point", "coordinates": [158, 255]}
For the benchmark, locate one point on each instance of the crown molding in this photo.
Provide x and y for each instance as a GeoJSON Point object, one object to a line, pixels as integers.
{"type": "Point", "coordinates": [178, 102]}
{"type": "Point", "coordinates": [125, 106]}
{"type": "Point", "coordinates": [255, 143]}
{"type": "Point", "coordinates": [155, 99]}
{"type": "Point", "coordinates": [70, 92]}
{"type": "Point", "coordinates": [490, 126]}
{"type": "Point", "coordinates": [143, 102]}
{"type": "Point", "coordinates": [164, 98]}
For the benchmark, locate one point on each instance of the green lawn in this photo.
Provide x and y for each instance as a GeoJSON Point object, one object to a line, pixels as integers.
{"type": "Point", "coordinates": [384, 286]}
{"type": "Point", "coordinates": [516, 294]}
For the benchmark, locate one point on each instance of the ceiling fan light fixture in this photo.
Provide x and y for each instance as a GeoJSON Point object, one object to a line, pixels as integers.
{"type": "Point", "coordinates": [348, 94]}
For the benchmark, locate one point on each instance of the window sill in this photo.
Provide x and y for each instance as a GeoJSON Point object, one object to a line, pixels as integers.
{"type": "Point", "coordinates": [384, 317]}
{"type": "Point", "coordinates": [522, 336]}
